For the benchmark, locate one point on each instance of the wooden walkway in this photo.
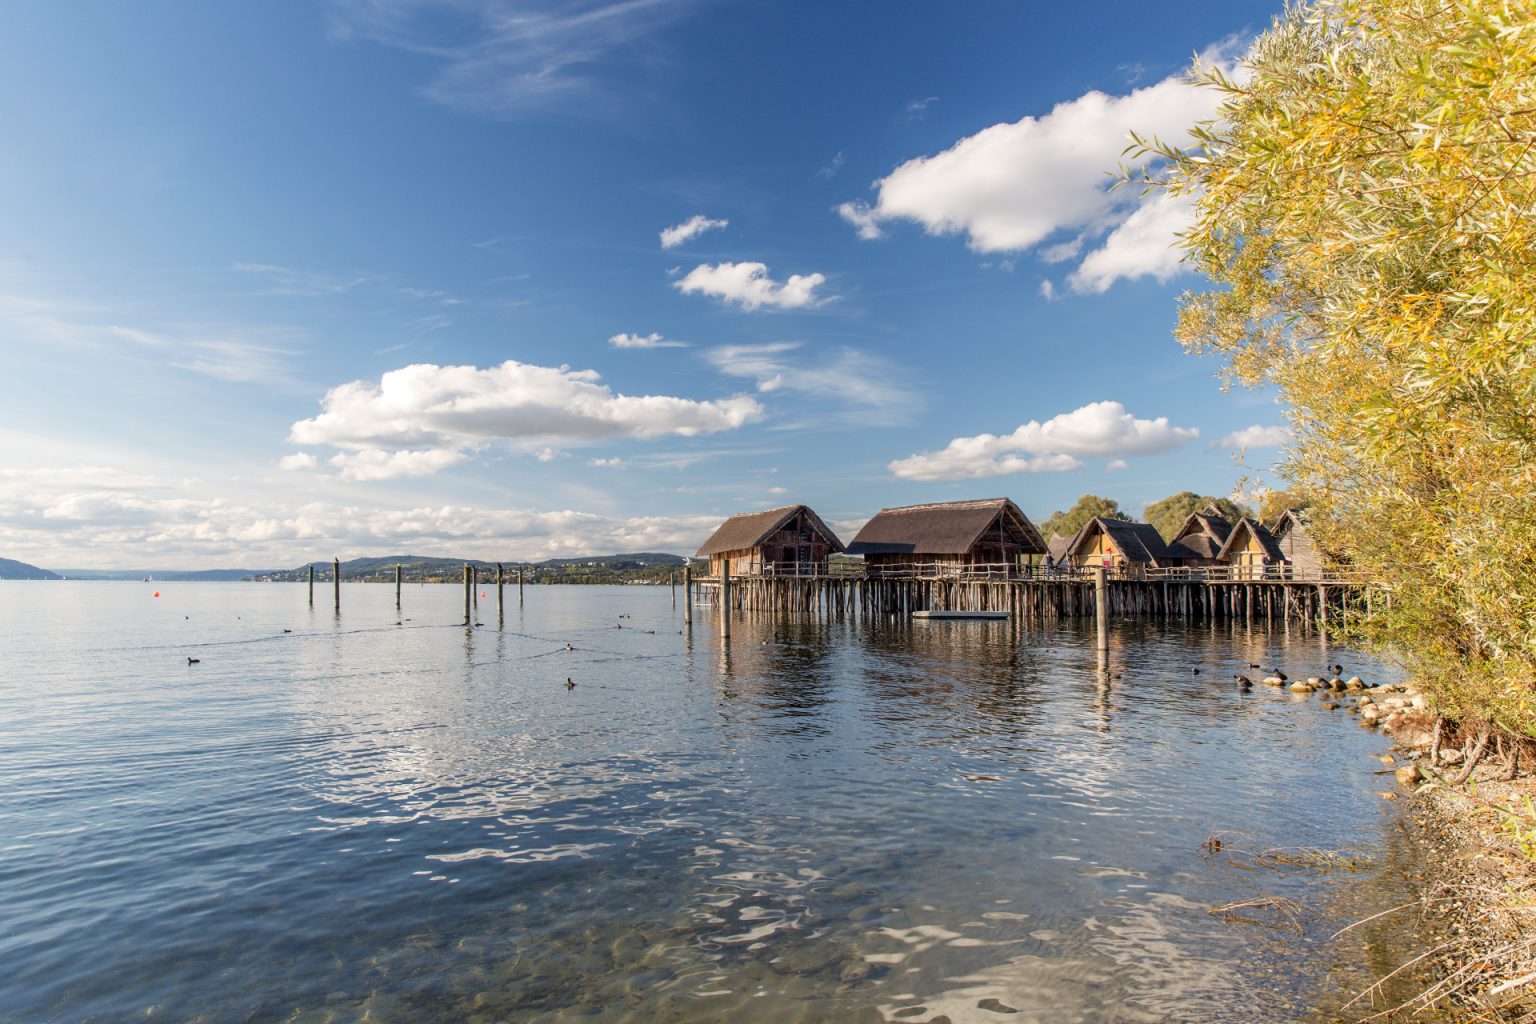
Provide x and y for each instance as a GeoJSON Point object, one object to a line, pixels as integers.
{"type": "Point", "coordinates": [1041, 597]}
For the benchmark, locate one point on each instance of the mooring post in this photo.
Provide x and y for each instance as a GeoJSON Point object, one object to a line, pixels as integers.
{"type": "Point", "coordinates": [336, 582]}
{"type": "Point", "coordinates": [499, 580]}
{"type": "Point", "coordinates": [1101, 606]}
{"type": "Point", "coordinates": [725, 599]}
{"type": "Point", "coordinates": [397, 588]}
{"type": "Point", "coordinates": [311, 584]}
{"type": "Point", "coordinates": [468, 590]}
{"type": "Point", "coordinates": [519, 586]}
{"type": "Point", "coordinates": [672, 581]}
{"type": "Point", "coordinates": [688, 593]}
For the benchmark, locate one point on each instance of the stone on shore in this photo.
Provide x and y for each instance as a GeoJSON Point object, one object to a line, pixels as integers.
{"type": "Point", "coordinates": [1407, 775]}
{"type": "Point", "coordinates": [1273, 681]}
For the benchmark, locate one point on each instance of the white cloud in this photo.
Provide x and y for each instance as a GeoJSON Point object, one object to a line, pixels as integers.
{"type": "Point", "coordinates": [377, 464]}
{"type": "Point", "coordinates": [1115, 465]}
{"type": "Point", "coordinates": [832, 166]}
{"type": "Point", "coordinates": [1142, 246]}
{"type": "Point", "coordinates": [298, 460]}
{"type": "Point", "coordinates": [917, 108]}
{"type": "Point", "coordinates": [1048, 290]}
{"type": "Point", "coordinates": [749, 286]}
{"type": "Point", "coordinates": [547, 455]}
{"type": "Point", "coordinates": [1098, 429]}
{"type": "Point", "coordinates": [652, 340]}
{"type": "Point", "coordinates": [778, 490]}
{"type": "Point", "coordinates": [1256, 436]}
{"type": "Point", "coordinates": [1014, 185]}
{"type": "Point", "coordinates": [610, 463]}
{"type": "Point", "coordinates": [563, 56]}
{"type": "Point", "coordinates": [847, 377]}
{"type": "Point", "coordinates": [450, 409]}
{"type": "Point", "coordinates": [690, 229]}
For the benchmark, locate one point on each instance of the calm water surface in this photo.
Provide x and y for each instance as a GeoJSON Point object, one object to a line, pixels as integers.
{"type": "Point", "coordinates": [856, 820]}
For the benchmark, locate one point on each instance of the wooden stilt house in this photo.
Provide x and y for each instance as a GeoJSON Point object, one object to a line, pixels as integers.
{"type": "Point", "coordinates": [1302, 556]}
{"type": "Point", "coordinates": [788, 541]}
{"type": "Point", "coordinates": [1198, 543]}
{"type": "Point", "coordinates": [1251, 552]}
{"type": "Point", "coordinates": [953, 538]}
{"type": "Point", "coordinates": [1124, 548]}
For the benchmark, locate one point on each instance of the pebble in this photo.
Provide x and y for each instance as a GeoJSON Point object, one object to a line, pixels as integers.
{"type": "Point", "coordinates": [1407, 775]}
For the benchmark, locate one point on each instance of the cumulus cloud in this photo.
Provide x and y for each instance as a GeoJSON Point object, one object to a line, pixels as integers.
{"type": "Point", "coordinates": [1013, 186]}
{"type": "Point", "coordinates": [1142, 246]}
{"type": "Point", "coordinates": [1116, 464]}
{"type": "Point", "coordinates": [389, 427]}
{"type": "Point", "coordinates": [377, 464]}
{"type": "Point", "coordinates": [749, 286]}
{"type": "Point", "coordinates": [652, 340]}
{"type": "Point", "coordinates": [151, 528]}
{"type": "Point", "coordinates": [690, 229]}
{"type": "Point", "coordinates": [298, 460]}
{"type": "Point", "coordinates": [1256, 436]}
{"type": "Point", "coordinates": [847, 377]}
{"type": "Point", "coordinates": [1099, 429]}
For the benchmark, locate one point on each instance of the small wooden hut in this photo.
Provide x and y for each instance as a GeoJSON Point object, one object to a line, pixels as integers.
{"type": "Point", "coordinates": [1251, 551]}
{"type": "Point", "coordinates": [1123, 547]}
{"type": "Point", "coordinates": [948, 538]}
{"type": "Point", "coordinates": [1058, 550]}
{"type": "Point", "coordinates": [1302, 555]}
{"type": "Point", "coordinates": [1199, 541]}
{"type": "Point", "coordinates": [788, 541]}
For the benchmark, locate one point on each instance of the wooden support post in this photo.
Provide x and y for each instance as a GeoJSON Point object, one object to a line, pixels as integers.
{"type": "Point", "coordinates": [688, 594]}
{"type": "Point", "coordinates": [500, 582]}
{"type": "Point", "coordinates": [311, 584]}
{"type": "Point", "coordinates": [468, 589]}
{"type": "Point", "coordinates": [725, 599]}
{"type": "Point", "coordinates": [1101, 606]}
{"type": "Point", "coordinates": [519, 586]}
{"type": "Point", "coordinates": [672, 582]}
{"type": "Point", "coordinates": [474, 586]}
{"type": "Point", "coordinates": [336, 582]}
{"type": "Point", "coordinates": [397, 588]}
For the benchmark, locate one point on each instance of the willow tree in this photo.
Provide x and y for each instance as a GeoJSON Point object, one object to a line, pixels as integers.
{"type": "Point", "coordinates": [1365, 203]}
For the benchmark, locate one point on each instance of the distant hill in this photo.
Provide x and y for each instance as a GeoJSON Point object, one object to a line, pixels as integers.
{"type": "Point", "coordinates": [420, 568]}
{"type": "Point", "coordinates": [10, 569]}
{"type": "Point", "coordinates": [165, 575]}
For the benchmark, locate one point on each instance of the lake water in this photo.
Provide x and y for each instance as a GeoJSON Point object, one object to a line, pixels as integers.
{"type": "Point", "coordinates": [851, 820]}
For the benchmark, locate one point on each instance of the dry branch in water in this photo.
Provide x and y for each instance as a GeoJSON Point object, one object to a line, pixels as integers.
{"type": "Point", "coordinates": [1289, 911]}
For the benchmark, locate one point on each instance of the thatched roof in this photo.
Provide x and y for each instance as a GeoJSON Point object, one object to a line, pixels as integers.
{"type": "Point", "coordinates": [1201, 536]}
{"type": "Point", "coordinates": [1256, 528]}
{"type": "Point", "coordinates": [1287, 521]}
{"type": "Point", "coordinates": [750, 529]}
{"type": "Point", "coordinates": [1136, 542]}
{"type": "Point", "coordinates": [943, 528]}
{"type": "Point", "coordinates": [1058, 547]}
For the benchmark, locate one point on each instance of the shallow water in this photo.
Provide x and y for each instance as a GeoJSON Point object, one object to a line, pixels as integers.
{"type": "Point", "coordinates": [854, 820]}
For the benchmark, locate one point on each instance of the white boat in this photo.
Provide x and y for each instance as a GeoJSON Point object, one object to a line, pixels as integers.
{"type": "Point", "coordinates": [959, 615]}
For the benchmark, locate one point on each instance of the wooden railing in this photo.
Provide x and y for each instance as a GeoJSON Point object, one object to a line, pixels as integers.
{"type": "Point", "coordinates": [1004, 571]}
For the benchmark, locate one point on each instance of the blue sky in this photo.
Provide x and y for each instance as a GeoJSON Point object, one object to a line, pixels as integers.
{"type": "Point", "coordinates": [515, 280]}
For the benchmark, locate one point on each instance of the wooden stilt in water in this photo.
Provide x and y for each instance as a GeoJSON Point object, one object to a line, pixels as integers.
{"type": "Point", "coordinates": [397, 588]}
{"type": "Point", "coordinates": [1101, 606]}
{"type": "Point", "coordinates": [672, 582]}
{"type": "Point", "coordinates": [336, 582]}
{"type": "Point", "coordinates": [501, 580]}
{"type": "Point", "coordinates": [311, 584]}
{"type": "Point", "coordinates": [519, 586]}
{"type": "Point", "coordinates": [468, 589]}
{"type": "Point", "coordinates": [725, 599]}
{"type": "Point", "coordinates": [688, 594]}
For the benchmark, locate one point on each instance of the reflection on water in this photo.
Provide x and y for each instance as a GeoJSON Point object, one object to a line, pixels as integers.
{"type": "Point", "coordinates": [851, 820]}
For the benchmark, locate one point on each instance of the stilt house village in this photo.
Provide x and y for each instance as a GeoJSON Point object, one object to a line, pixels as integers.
{"type": "Point", "coordinates": [992, 538]}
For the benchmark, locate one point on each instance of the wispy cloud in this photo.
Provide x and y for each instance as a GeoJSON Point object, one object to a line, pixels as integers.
{"type": "Point", "coordinates": [832, 166]}
{"type": "Point", "coordinates": [502, 59]}
{"type": "Point", "coordinates": [857, 386]}
{"type": "Point", "coordinates": [1256, 436]}
{"type": "Point", "coordinates": [652, 340]}
{"type": "Point", "coordinates": [917, 108]}
{"type": "Point", "coordinates": [690, 229]}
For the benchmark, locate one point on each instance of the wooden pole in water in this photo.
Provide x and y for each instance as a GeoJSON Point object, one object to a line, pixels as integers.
{"type": "Point", "coordinates": [311, 584]}
{"type": "Point", "coordinates": [499, 581]}
{"type": "Point", "coordinates": [467, 591]}
{"type": "Point", "coordinates": [1101, 606]}
{"type": "Point", "coordinates": [725, 599]}
{"type": "Point", "coordinates": [397, 588]}
{"type": "Point", "coordinates": [688, 594]}
{"type": "Point", "coordinates": [672, 580]}
{"type": "Point", "coordinates": [519, 586]}
{"type": "Point", "coordinates": [474, 586]}
{"type": "Point", "coordinates": [336, 582]}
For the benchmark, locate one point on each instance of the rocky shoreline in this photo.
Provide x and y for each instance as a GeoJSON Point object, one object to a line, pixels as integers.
{"type": "Point", "coordinates": [1476, 820]}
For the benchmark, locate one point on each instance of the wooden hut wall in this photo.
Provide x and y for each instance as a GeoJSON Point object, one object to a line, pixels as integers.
{"type": "Point", "coordinates": [1302, 555]}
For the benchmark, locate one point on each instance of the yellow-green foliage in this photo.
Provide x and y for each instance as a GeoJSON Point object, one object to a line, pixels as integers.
{"type": "Point", "coordinates": [1366, 204]}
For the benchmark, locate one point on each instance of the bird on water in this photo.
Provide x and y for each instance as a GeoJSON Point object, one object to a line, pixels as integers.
{"type": "Point", "coordinates": [1243, 681]}
{"type": "Point", "coordinates": [194, 661]}
{"type": "Point", "coordinates": [1279, 675]}
{"type": "Point", "coordinates": [570, 684]}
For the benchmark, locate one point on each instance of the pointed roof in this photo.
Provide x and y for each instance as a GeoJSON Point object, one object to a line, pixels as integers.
{"type": "Point", "coordinates": [1136, 542]}
{"type": "Point", "coordinates": [1265, 538]}
{"type": "Point", "coordinates": [749, 529]}
{"type": "Point", "coordinates": [942, 528]}
{"type": "Point", "coordinates": [1288, 520]}
{"type": "Point", "coordinates": [1201, 536]}
{"type": "Point", "coordinates": [1058, 547]}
